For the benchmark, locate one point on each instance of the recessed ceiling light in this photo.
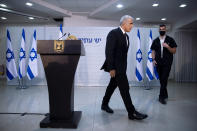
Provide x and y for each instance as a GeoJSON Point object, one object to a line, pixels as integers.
{"type": "Point", "coordinates": [155, 4]}
{"type": "Point", "coordinates": [3, 5]}
{"type": "Point", "coordinates": [119, 5]}
{"type": "Point", "coordinates": [29, 4]}
{"type": "Point", "coordinates": [4, 9]}
{"type": "Point", "coordinates": [163, 19]}
{"type": "Point", "coordinates": [137, 18]}
{"type": "Point", "coordinates": [3, 18]}
{"type": "Point", "coordinates": [182, 5]}
{"type": "Point", "coordinates": [31, 18]}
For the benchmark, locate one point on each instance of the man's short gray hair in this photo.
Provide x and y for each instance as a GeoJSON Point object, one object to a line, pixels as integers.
{"type": "Point", "coordinates": [123, 18]}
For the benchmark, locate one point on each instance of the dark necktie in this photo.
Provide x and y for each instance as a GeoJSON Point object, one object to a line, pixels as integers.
{"type": "Point", "coordinates": [125, 34]}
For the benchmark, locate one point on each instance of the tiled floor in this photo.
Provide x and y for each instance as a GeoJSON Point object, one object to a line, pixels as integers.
{"type": "Point", "coordinates": [180, 113]}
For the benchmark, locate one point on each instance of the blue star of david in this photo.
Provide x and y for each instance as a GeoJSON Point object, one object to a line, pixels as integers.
{"type": "Point", "coordinates": [23, 54]}
{"type": "Point", "coordinates": [9, 55]}
{"type": "Point", "coordinates": [149, 58]}
{"type": "Point", "coordinates": [33, 54]}
{"type": "Point", "coordinates": [139, 55]}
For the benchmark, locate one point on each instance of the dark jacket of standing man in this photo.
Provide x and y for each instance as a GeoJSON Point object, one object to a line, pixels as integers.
{"type": "Point", "coordinates": [163, 48]}
{"type": "Point", "coordinates": [117, 45]}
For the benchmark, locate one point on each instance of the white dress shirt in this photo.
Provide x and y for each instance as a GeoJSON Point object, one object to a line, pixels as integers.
{"type": "Point", "coordinates": [161, 42]}
{"type": "Point", "coordinates": [124, 34]}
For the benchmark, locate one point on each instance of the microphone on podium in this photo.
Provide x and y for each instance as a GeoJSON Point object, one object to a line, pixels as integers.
{"type": "Point", "coordinates": [62, 36]}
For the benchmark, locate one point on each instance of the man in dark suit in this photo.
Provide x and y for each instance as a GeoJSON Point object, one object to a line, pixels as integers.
{"type": "Point", "coordinates": [116, 64]}
{"type": "Point", "coordinates": [163, 48]}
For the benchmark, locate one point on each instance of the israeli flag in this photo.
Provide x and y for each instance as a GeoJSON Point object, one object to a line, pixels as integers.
{"type": "Point", "coordinates": [32, 68]}
{"type": "Point", "coordinates": [11, 70]}
{"type": "Point", "coordinates": [149, 65]}
{"type": "Point", "coordinates": [60, 33]}
{"type": "Point", "coordinates": [139, 69]}
{"type": "Point", "coordinates": [22, 57]}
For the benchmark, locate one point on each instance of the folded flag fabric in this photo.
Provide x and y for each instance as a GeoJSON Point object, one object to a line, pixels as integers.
{"type": "Point", "coordinates": [139, 69]}
{"type": "Point", "coordinates": [22, 57]}
{"type": "Point", "coordinates": [149, 65]}
{"type": "Point", "coordinates": [60, 32]}
{"type": "Point", "coordinates": [11, 70]}
{"type": "Point", "coordinates": [32, 68]}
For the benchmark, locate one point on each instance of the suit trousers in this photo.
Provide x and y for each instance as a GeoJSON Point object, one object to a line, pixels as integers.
{"type": "Point", "coordinates": [163, 72]}
{"type": "Point", "coordinates": [120, 81]}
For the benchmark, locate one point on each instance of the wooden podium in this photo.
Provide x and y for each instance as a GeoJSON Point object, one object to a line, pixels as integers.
{"type": "Point", "coordinates": [60, 59]}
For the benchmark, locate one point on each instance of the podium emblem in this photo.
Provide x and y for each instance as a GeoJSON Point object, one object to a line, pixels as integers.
{"type": "Point", "coordinates": [58, 46]}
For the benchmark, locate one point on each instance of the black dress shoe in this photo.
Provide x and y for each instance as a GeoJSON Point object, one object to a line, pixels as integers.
{"type": "Point", "coordinates": [166, 97]}
{"type": "Point", "coordinates": [162, 101]}
{"type": "Point", "coordinates": [138, 116]}
{"type": "Point", "coordinates": [107, 109]}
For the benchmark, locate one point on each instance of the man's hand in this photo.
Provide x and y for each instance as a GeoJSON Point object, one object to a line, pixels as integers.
{"type": "Point", "coordinates": [166, 45]}
{"type": "Point", "coordinates": [154, 62]}
{"type": "Point", "coordinates": [172, 50]}
{"type": "Point", "coordinates": [112, 73]}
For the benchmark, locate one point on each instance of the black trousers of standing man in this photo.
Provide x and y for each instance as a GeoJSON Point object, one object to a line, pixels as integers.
{"type": "Point", "coordinates": [163, 72]}
{"type": "Point", "coordinates": [120, 81]}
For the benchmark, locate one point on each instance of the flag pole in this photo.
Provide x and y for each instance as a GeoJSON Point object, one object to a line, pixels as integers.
{"type": "Point", "coordinates": [148, 87]}
{"type": "Point", "coordinates": [21, 84]}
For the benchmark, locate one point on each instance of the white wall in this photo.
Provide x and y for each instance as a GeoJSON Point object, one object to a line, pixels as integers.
{"type": "Point", "coordinates": [83, 21]}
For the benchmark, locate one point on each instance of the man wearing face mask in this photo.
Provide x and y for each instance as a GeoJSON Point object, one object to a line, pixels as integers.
{"type": "Point", "coordinates": [163, 48]}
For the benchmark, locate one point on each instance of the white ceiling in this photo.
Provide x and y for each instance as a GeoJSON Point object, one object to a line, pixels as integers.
{"type": "Point", "coordinates": [46, 10]}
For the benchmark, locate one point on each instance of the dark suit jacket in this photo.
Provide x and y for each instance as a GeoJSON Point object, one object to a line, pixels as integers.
{"type": "Point", "coordinates": [167, 56]}
{"type": "Point", "coordinates": [116, 51]}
